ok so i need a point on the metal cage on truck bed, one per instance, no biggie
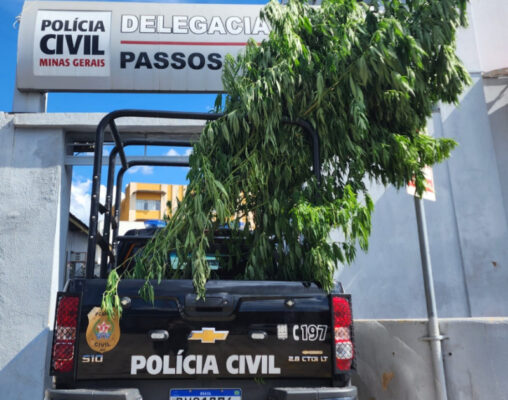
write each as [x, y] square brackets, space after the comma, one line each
[109, 245]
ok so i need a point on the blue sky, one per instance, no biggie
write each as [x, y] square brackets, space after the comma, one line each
[105, 102]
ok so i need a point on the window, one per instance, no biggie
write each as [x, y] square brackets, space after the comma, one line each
[148, 205]
[78, 256]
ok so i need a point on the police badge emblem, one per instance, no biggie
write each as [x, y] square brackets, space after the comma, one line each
[103, 331]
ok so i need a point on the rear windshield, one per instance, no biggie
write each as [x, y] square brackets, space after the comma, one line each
[221, 261]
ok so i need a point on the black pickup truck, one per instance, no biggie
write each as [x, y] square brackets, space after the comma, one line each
[247, 340]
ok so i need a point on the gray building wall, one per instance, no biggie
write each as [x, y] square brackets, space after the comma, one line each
[467, 224]
[34, 205]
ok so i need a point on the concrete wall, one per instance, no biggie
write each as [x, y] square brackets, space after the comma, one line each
[393, 363]
[34, 205]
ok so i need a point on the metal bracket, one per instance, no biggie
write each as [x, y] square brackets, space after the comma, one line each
[433, 338]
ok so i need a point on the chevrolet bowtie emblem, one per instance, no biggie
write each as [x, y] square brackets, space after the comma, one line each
[208, 335]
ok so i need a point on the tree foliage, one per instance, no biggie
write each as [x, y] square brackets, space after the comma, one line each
[367, 76]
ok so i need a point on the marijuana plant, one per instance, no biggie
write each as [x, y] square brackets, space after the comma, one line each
[367, 77]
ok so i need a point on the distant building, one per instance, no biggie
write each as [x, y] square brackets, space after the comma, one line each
[149, 201]
[76, 248]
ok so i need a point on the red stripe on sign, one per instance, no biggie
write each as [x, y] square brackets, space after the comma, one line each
[184, 43]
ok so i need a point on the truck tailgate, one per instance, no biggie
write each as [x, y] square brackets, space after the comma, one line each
[242, 329]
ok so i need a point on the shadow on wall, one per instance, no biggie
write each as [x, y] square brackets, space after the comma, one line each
[496, 93]
[385, 282]
[26, 375]
[477, 183]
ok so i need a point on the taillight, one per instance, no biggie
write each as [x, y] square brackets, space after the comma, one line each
[64, 335]
[342, 321]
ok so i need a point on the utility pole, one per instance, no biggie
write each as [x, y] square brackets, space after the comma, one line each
[434, 336]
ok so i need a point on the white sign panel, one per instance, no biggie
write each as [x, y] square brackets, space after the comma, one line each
[131, 47]
[68, 43]
[430, 190]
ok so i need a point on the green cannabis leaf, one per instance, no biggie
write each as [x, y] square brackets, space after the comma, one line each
[367, 77]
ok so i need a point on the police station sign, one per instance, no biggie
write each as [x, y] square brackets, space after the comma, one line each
[132, 47]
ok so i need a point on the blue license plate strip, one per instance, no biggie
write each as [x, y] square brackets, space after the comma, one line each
[205, 394]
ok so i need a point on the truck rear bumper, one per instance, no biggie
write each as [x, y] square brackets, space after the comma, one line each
[277, 393]
[85, 394]
[320, 393]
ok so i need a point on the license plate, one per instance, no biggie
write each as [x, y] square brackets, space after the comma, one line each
[205, 394]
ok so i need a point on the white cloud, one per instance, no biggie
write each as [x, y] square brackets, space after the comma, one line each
[143, 169]
[172, 152]
[188, 152]
[81, 196]
[80, 199]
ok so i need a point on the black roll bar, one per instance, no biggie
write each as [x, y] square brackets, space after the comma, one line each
[110, 186]
[108, 121]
